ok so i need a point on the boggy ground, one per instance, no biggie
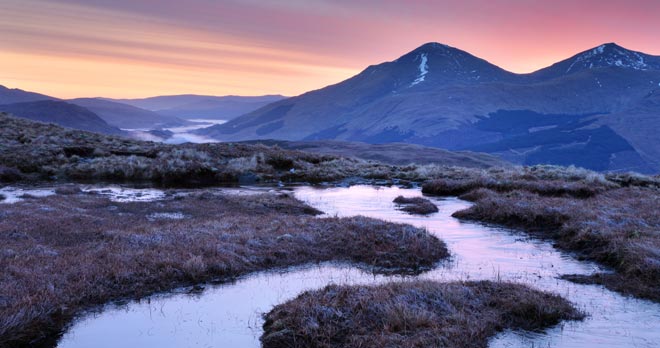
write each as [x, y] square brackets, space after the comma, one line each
[410, 314]
[63, 254]
[612, 221]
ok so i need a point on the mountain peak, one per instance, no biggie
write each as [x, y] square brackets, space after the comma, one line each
[435, 48]
[429, 46]
[433, 64]
[609, 55]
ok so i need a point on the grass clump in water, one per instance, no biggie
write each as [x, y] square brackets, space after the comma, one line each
[416, 205]
[411, 314]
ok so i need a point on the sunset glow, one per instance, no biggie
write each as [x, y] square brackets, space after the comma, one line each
[124, 48]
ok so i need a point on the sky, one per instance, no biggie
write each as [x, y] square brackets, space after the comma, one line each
[140, 48]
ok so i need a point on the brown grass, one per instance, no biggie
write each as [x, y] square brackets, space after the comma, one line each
[411, 314]
[457, 187]
[619, 228]
[36, 151]
[33, 151]
[416, 205]
[62, 254]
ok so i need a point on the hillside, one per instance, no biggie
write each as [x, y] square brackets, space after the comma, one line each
[15, 95]
[60, 113]
[443, 97]
[127, 116]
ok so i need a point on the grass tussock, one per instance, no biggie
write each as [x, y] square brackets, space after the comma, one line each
[411, 314]
[553, 187]
[545, 180]
[416, 205]
[619, 228]
[66, 253]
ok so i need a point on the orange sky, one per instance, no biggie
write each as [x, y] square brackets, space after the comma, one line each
[138, 48]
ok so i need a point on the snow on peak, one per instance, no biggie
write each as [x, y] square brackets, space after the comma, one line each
[423, 69]
[598, 50]
[609, 55]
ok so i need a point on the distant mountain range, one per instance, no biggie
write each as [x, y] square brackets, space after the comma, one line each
[190, 106]
[598, 109]
[107, 116]
[128, 116]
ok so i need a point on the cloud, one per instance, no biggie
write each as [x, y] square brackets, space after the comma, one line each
[288, 46]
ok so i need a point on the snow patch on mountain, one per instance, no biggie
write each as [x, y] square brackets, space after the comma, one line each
[599, 50]
[609, 55]
[423, 69]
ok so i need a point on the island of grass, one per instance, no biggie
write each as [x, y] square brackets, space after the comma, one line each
[415, 205]
[614, 220]
[411, 314]
[64, 254]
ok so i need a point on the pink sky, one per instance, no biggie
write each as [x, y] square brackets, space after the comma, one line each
[133, 48]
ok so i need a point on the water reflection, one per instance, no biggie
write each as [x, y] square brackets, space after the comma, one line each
[229, 315]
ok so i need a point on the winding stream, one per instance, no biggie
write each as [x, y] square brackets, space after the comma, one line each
[229, 315]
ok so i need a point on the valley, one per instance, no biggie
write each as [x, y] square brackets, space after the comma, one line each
[305, 174]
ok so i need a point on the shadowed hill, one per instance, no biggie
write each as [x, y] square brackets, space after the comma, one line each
[61, 113]
[15, 95]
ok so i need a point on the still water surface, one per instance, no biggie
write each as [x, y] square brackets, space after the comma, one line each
[229, 315]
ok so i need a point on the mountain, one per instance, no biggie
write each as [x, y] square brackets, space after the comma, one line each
[15, 95]
[61, 113]
[441, 96]
[114, 114]
[127, 116]
[190, 106]
[603, 56]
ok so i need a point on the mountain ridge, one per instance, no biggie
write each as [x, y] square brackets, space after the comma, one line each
[16, 95]
[61, 113]
[436, 95]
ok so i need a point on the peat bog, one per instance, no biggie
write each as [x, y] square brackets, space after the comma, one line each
[64, 254]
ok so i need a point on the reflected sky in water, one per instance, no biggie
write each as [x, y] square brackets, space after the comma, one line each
[229, 315]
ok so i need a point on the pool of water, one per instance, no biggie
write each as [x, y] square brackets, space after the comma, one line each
[115, 193]
[229, 315]
[16, 194]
